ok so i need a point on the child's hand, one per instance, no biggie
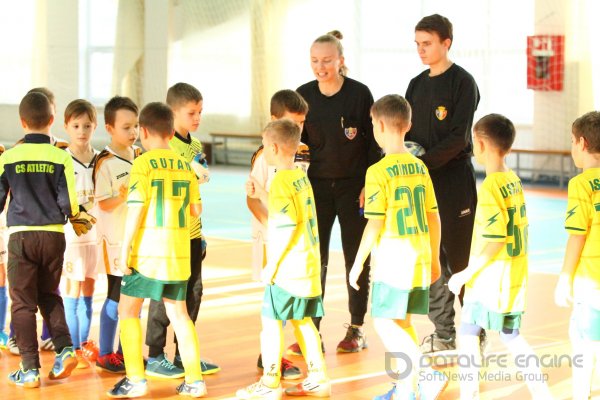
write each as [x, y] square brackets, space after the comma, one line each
[457, 281]
[563, 294]
[122, 266]
[254, 189]
[354, 275]
[266, 275]
[250, 189]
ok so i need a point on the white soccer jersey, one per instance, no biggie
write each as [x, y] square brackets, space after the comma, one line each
[111, 173]
[84, 187]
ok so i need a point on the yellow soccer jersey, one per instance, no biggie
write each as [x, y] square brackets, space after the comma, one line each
[501, 216]
[583, 218]
[398, 190]
[164, 184]
[188, 148]
[292, 206]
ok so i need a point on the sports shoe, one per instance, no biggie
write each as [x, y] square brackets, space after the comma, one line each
[394, 394]
[294, 349]
[161, 367]
[288, 370]
[206, 367]
[3, 340]
[47, 345]
[354, 341]
[196, 389]
[12, 346]
[90, 350]
[431, 384]
[82, 362]
[29, 378]
[258, 391]
[435, 344]
[64, 363]
[110, 362]
[127, 388]
[310, 388]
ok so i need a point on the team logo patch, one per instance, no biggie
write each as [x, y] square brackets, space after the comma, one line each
[441, 113]
[69, 266]
[350, 132]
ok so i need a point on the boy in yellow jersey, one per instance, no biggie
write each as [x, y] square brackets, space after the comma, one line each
[293, 269]
[155, 257]
[579, 281]
[496, 278]
[404, 228]
[186, 102]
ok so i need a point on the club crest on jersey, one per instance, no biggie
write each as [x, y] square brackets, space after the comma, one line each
[350, 132]
[441, 113]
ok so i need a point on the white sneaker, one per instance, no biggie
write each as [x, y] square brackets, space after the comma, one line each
[47, 345]
[259, 391]
[310, 388]
[12, 346]
[431, 384]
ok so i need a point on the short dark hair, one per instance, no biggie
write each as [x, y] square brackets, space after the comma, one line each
[588, 127]
[498, 129]
[285, 133]
[35, 109]
[158, 118]
[181, 93]
[287, 100]
[115, 104]
[46, 92]
[79, 107]
[436, 23]
[394, 110]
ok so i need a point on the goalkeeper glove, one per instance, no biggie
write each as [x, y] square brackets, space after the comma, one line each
[82, 222]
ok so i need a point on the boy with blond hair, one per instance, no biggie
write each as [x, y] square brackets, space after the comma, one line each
[111, 180]
[156, 251]
[496, 278]
[403, 222]
[186, 103]
[284, 104]
[579, 281]
[80, 258]
[293, 269]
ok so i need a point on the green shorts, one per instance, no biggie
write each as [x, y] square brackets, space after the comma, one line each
[393, 303]
[137, 285]
[585, 322]
[281, 305]
[478, 314]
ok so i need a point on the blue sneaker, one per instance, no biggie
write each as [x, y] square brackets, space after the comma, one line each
[29, 378]
[196, 389]
[207, 368]
[432, 387]
[64, 363]
[126, 388]
[394, 394]
[3, 340]
[160, 367]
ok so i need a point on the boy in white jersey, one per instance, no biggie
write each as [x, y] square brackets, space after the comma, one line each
[111, 179]
[293, 270]
[79, 265]
[404, 228]
[284, 104]
[579, 281]
[496, 278]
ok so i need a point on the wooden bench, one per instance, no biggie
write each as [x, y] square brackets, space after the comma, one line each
[566, 170]
[221, 141]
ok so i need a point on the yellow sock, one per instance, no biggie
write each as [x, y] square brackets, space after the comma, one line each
[190, 357]
[131, 340]
[308, 336]
[412, 332]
